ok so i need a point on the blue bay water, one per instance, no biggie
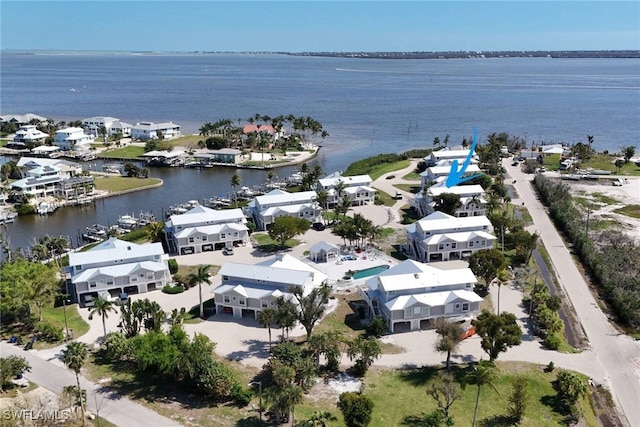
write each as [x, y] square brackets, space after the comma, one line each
[368, 106]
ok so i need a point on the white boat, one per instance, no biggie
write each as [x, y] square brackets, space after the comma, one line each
[127, 222]
[95, 233]
[7, 217]
[45, 208]
[146, 218]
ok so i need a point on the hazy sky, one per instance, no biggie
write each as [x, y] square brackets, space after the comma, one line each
[319, 25]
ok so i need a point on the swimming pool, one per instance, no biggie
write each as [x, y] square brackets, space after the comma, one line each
[372, 271]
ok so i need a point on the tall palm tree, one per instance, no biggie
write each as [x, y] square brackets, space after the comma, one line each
[156, 230]
[501, 279]
[74, 357]
[483, 374]
[292, 395]
[322, 197]
[198, 278]
[102, 307]
[235, 181]
[266, 317]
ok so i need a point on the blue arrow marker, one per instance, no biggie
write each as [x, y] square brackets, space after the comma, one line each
[455, 175]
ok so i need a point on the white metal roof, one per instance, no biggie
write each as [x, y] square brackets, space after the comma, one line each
[114, 249]
[349, 181]
[279, 197]
[211, 229]
[463, 236]
[266, 273]
[432, 299]
[403, 276]
[461, 190]
[201, 215]
[118, 270]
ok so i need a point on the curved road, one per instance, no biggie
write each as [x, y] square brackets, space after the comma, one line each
[617, 354]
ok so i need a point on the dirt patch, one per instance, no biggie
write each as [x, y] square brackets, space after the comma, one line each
[331, 388]
[604, 407]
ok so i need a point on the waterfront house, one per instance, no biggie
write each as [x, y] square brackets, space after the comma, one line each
[471, 197]
[251, 128]
[72, 139]
[150, 130]
[117, 266]
[202, 230]
[224, 155]
[51, 177]
[442, 237]
[357, 188]
[93, 125]
[21, 119]
[120, 128]
[449, 155]
[30, 135]
[440, 173]
[247, 289]
[265, 209]
[412, 295]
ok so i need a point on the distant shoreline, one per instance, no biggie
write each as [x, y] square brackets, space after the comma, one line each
[594, 54]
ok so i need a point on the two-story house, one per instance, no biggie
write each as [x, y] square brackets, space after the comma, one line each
[471, 197]
[439, 173]
[247, 289]
[202, 229]
[150, 130]
[449, 154]
[30, 134]
[411, 295]
[117, 266]
[50, 177]
[357, 188]
[276, 203]
[72, 139]
[442, 237]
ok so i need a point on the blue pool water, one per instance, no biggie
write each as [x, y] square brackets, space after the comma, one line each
[372, 271]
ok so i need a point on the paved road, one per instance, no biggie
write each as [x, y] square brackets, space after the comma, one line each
[617, 354]
[117, 409]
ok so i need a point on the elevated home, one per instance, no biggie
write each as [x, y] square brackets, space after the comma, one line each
[51, 177]
[150, 130]
[94, 125]
[411, 295]
[121, 128]
[30, 134]
[224, 155]
[247, 289]
[436, 174]
[72, 139]
[265, 209]
[117, 266]
[357, 188]
[251, 128]
[442, 237]
[448, 154]
[202, 230]
[471, 197]
[21, 119]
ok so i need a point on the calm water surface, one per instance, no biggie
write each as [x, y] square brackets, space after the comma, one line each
[367, 106]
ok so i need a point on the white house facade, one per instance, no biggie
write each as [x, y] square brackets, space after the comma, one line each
[72, 139]
[442, 237]
[30, 134]
[357, 188]
[203, 230]
[117, 266]
[449, 155]
[471, 197]
[51, 177]
[411, 296]
[265, 209]
[149, 130]
[435, 174]
[248, 289]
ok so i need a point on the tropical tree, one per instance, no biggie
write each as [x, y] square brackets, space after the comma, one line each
[286, 315]
[445, 391]
[450, 338]
[519, 398]
[498, 332]
[502, 278]
[486, 264]
[448, 203]
[356, 409]
[310, 307]
[156, 231]
[11, 367]
[365, 350]
[266, 317]
[74, 357]
[482, 374]
[102, 307]
[628, 152]
[619, 163]
[329, 344]
[570, 387]
[318, 419]
[284, 228]
[322, 197]
[235, 182]
[198, 277]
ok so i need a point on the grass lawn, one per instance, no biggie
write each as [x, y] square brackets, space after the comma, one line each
[267, 244]
[122, 183]
[603, 198]
[385, 198]
[409, 215]
[55, 316]
[526, 216]
[188, 141]
[630, 210]
[381, 169]
[411, 188]
[605, 162]
[412, 176]
[128, 152]
[4, 142]
[551, 162]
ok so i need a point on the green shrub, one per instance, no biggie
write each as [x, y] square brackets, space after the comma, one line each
[173, 266]
[49, 332]
[377, 327]
[552, 341]
[241, 395]
[170, 289]
[25, 209]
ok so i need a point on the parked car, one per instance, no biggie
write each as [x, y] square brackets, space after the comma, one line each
[318, 226]
[349, 258]
[227, 251]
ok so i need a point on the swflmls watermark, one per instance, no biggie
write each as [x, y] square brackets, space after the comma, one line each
[36, 414]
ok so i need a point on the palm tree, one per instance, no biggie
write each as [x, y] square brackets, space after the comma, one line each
[450, 338]
[266, 317]
[198, 278]
[322, 197]
[235, 181]
[102, 307]
[156, 230]
[483, 373]
[291, 396]
[74, 357]
[501, 279]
